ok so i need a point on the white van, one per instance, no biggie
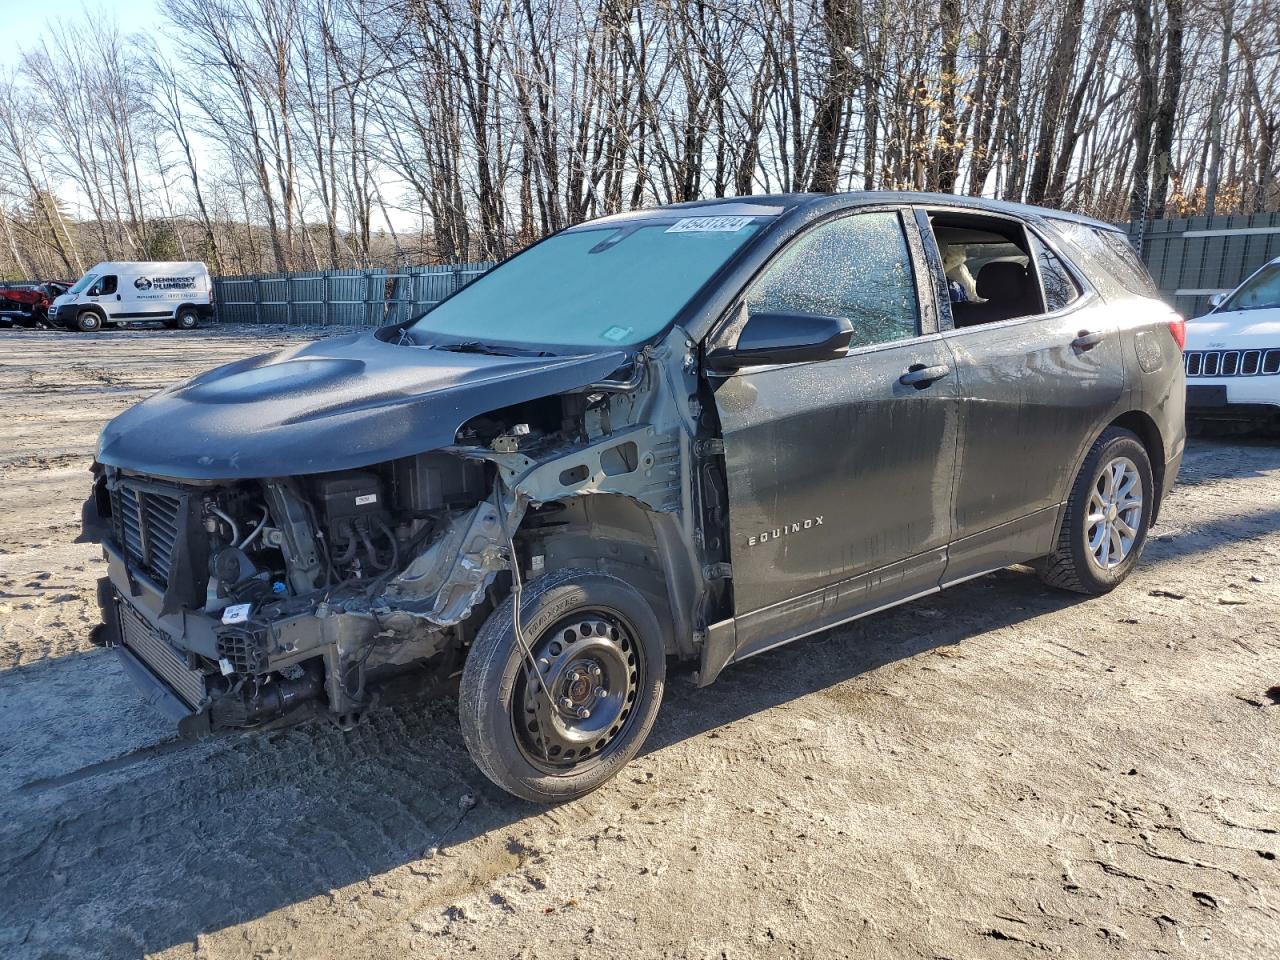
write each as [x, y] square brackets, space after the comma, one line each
[177, 294]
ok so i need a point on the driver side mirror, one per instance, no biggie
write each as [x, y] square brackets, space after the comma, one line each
[768, 338]
[1217, 300]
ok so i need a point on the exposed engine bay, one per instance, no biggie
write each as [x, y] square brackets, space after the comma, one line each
[287, 595]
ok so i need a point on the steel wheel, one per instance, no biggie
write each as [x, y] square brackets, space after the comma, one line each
[596, 644]
[584, 701]
[1114, 514]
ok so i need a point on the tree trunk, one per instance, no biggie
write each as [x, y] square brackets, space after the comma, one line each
[1216, 106]
[1167, 111]
[1055, 94]
[1139, 193]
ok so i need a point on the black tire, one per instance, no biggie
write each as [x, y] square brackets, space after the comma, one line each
[88, 322]
[187, 319]
[497, 689]
[1073, 565]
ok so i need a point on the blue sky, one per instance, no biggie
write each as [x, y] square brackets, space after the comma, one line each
[25, 20]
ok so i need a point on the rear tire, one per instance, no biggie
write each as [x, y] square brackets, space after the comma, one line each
[1104, 526]
[600, 650]
[187, 319]
[88, 322]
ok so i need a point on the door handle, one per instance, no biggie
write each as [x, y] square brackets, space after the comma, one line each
[1087, 340]
[920, 376]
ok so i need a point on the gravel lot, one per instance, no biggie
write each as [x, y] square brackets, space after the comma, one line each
[1001, 771]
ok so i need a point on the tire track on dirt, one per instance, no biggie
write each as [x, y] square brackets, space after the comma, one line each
[996, 771]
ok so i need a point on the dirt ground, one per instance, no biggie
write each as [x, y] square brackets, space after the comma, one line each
[998, 772]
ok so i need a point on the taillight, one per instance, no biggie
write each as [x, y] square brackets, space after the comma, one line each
[1179, 330]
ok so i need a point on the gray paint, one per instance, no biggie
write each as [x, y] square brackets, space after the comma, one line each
[878, 491]
[328, 405]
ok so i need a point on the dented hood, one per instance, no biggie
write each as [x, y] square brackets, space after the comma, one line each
[328, 405]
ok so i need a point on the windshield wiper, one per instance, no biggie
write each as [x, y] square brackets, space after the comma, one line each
[475, 346]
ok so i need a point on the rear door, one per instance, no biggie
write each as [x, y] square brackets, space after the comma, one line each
[1034, 391]
[839, 473]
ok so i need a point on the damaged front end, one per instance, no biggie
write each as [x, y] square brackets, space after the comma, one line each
[239, 602]
[247, 600]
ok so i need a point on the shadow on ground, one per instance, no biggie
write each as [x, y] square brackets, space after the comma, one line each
[146, 851]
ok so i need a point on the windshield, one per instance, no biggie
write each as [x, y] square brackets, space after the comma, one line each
[83, 282]
[593, 287]
[1259, 291]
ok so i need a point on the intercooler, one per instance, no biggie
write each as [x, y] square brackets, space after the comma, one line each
[147, 524]
[150, 646]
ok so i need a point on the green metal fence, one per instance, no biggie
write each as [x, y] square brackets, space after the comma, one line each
[1194, 258]
[354, 298]
[1191, 259]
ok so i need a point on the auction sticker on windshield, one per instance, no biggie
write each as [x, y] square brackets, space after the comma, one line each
[709, 225]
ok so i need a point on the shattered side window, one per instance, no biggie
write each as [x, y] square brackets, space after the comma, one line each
[1129, 267]
[857, 267]
[1109, 251]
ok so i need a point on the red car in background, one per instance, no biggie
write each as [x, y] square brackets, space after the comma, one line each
[27, 304]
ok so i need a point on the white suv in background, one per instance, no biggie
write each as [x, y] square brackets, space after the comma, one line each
[1233, 356]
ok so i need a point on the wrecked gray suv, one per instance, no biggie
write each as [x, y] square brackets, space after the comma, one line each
[694, 432]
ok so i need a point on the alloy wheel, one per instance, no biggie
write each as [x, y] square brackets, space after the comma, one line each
[1114, 515]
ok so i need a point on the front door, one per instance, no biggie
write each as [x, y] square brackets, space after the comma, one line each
[105, 294]
[839, 472]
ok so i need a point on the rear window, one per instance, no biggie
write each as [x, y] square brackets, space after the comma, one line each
[1060, 288]
[1109, 250]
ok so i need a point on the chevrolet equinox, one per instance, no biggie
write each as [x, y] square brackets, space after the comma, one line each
[693, 432]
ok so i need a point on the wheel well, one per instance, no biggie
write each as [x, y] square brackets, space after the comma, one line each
[1140, 423]
[614, 534]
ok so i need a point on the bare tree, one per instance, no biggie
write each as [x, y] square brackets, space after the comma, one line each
[292, 134]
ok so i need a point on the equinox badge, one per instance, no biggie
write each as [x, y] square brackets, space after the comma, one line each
[784, 531]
